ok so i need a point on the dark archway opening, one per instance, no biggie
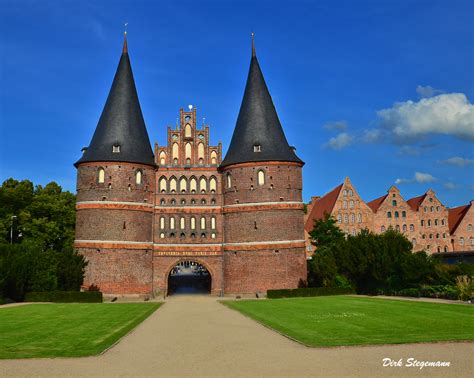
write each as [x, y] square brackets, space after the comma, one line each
[189, 277]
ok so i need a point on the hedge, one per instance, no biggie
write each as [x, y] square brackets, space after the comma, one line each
[65, 296]
[308, 292]
[435, 291]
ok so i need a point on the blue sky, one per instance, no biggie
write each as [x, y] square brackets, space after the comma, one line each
[380, 91]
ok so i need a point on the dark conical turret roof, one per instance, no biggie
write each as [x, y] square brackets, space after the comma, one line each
[121, 123]
[258, 125]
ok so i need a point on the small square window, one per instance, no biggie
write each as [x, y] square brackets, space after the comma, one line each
[257, 148]
[116, 149]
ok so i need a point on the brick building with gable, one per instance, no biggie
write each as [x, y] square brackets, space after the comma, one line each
[345, 205]
[461, 221]
[424, 220]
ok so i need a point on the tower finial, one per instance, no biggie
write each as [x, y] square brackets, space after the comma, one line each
[125, 47]
[253, 45]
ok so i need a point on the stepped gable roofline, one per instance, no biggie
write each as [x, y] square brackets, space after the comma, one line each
[258, 135]
[121, 134]
[323, 205]
[455, 217]
[416, 201]
[376, 203]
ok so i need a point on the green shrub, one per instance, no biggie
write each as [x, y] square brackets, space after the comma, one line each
[342, 282]
[308, 292]
[65, 296]
[435, 291]
[412, 292]
[465, 286]
[27, 267]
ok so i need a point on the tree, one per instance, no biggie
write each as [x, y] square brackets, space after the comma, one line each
[326, 232]
[41, 257]
[44, 215]
[372, 263]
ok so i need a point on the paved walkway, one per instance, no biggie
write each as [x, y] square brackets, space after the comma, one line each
[196, 336]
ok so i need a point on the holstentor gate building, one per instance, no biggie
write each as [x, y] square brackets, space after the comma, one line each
[140, 212]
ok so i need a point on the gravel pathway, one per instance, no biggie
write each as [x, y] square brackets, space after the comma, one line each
[197, 336]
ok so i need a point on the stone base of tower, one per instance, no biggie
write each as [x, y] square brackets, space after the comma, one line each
[118, 272]
[258, 271]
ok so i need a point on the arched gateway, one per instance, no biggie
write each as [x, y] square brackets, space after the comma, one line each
[189, 277]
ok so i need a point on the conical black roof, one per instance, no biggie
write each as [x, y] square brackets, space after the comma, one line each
[121, 123]
[258, 126]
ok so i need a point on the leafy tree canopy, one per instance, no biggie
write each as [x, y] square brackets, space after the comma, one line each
[326, 232]
[36, 239]
[370, 262]
[45, 215]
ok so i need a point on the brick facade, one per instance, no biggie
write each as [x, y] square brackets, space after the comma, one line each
[345, 205]
[461, 227]
[424, 220]
[248, 235]
[393, 211]
[433, 223]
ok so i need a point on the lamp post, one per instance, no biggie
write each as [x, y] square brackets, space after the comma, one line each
[11, 229]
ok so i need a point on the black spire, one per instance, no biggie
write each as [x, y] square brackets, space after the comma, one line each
[258, 135]
[121, 133]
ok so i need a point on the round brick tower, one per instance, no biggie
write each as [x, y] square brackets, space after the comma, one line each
[263, 209]
[115, 194]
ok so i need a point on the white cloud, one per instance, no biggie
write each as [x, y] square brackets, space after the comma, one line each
[449, 114]
[427, 91]
[424, 177]
[409, 151]
[372, 135]
[340, 141]
[399, 181]
[336, 125]
[459, 161]
[419, 177]
[450, 185]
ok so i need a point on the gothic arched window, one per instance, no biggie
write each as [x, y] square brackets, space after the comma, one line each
[188, 152]
[173, 185]
[183, 185]
[175, 152]
[213, 184]
[138, 177]
[162, 185]
[162, 157]
[213, 157]
[100, 175]
[187, 130]
[203, 184]
[201, 151]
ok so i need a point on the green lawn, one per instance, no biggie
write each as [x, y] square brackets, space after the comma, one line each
[346, 320]
[67, 330]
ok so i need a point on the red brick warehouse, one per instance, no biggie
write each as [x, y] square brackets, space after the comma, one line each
[141, 212]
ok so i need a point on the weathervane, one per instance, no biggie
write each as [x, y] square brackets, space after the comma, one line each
[253, 44]
[125, 27]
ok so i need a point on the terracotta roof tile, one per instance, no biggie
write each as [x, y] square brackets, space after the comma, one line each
[375, 204]
[416, 201]
[323, 205]
[455, 216]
